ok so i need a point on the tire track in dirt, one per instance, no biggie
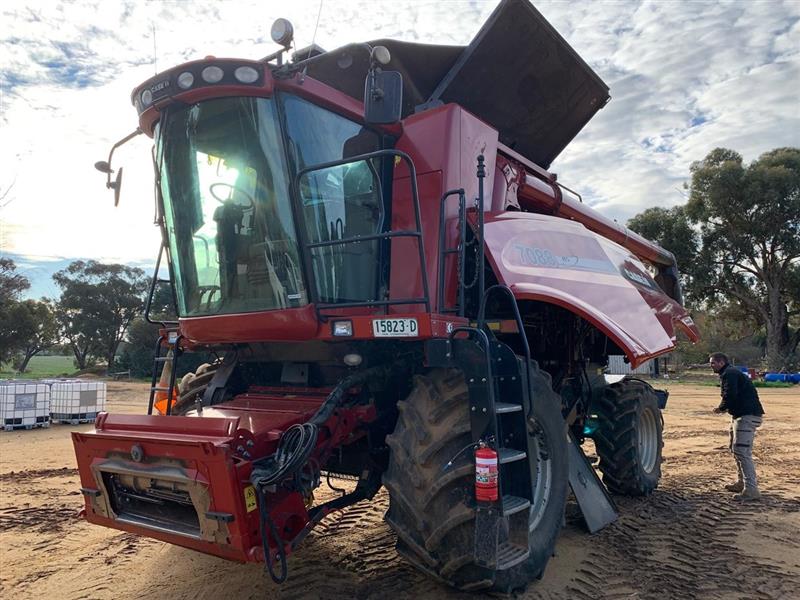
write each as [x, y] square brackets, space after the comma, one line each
[352, 554]
[25, 476]
[42, 519]
[685, 543]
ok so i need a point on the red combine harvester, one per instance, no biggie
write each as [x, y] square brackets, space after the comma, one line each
[399, 292]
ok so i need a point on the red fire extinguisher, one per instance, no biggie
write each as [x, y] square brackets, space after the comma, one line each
[485, 474]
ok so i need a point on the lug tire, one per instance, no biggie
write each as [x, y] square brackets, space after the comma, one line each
[430, 506]
[629, 438]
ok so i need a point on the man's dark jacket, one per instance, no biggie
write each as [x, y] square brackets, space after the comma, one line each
[739, 395]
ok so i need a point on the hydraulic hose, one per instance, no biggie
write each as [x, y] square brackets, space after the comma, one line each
[294, 449]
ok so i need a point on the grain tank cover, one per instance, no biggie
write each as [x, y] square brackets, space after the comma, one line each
[518, 74]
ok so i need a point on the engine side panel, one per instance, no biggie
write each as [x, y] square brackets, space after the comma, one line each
[555, 260]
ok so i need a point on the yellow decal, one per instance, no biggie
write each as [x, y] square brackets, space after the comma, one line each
[250, 498]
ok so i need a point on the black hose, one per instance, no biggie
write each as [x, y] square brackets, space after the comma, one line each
[294, 448]
[267, 523]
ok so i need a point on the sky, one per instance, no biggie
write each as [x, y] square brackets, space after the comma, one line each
[685, 77]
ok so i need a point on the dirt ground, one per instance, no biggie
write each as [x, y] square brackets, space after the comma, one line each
[687, 540]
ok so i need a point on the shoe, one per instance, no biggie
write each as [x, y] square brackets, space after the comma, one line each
[748, 494]
[735, 487]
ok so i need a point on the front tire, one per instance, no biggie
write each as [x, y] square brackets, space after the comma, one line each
[629, 438]
[431, 507]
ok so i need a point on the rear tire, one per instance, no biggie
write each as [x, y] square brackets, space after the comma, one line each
[431, 508]
[629, 439]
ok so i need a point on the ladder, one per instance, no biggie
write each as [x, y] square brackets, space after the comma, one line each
[173, 352]
[500, 404]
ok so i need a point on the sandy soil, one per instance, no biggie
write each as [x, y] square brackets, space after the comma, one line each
[687, 540]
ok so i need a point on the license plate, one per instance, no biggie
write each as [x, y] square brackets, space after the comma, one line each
[395, 328]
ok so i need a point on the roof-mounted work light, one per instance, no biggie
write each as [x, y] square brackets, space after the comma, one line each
[282, 32]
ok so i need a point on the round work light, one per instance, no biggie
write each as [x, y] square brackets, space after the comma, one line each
[185, 80]
[212, 74]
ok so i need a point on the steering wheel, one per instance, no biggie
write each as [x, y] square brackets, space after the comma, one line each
[251, 203]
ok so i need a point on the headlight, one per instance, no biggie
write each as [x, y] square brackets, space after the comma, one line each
[246, 74]
[212, 74]
[147, 98]
[185, 80]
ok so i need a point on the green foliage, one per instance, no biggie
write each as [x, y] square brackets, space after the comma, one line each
[38, 331]
[15, 323]
[724, 330]
[42, 366]
[773, 384]
[670, 228]
[98, 301]
[12, 284]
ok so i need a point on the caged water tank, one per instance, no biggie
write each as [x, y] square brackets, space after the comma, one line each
[75, 401]
[24, 404]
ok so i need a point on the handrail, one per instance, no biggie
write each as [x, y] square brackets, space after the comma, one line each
[386, 235]
[487, 352]
[152, 292]
[444, 251]
[517, 317]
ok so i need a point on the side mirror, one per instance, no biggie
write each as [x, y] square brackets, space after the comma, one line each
[383, 90]
[116, 186]
[104, 166]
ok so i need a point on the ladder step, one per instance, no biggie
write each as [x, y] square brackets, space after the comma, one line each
[164, 359]
[510, 555]
[514, 504]
[159, 389]
[502, 408]
[507, 455]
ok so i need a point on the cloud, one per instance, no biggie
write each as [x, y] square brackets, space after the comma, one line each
[685, 78]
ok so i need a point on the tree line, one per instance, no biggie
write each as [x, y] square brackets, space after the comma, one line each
[737, 243]
[736, 240]
[98, 303]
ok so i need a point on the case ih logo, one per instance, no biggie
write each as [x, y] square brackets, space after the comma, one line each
[157, 87]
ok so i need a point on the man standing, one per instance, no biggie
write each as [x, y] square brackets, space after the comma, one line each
[740, 400]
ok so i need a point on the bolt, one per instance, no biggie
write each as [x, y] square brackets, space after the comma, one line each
[250, 443]
[472, 380]
[473, 409]
[484, 410]
[513, 379]
[483, 380]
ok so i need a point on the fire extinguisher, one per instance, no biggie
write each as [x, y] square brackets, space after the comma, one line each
[486, 479]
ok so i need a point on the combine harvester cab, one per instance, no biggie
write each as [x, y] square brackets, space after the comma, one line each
[398, 292]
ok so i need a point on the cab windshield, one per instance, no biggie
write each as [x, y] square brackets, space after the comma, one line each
[225, 185]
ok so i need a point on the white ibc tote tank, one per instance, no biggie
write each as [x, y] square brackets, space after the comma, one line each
[75, 401]
[24, 404]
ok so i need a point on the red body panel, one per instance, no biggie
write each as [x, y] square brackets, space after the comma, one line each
[550, 259]
[209, 453]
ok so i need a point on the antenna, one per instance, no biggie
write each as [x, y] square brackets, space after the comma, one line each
[155, 53]
[314, 37]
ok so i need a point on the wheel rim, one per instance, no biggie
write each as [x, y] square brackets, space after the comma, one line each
[648, 440]
[543, 480]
